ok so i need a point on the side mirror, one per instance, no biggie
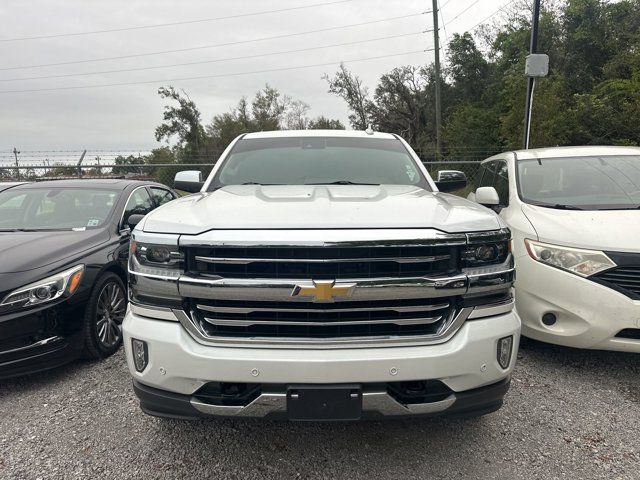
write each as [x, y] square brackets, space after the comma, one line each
[450, 180]
[487, 196]
[134, 220]
[188, 181]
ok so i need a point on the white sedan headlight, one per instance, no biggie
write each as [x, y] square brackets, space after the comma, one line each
[575, 260]
[46, 290]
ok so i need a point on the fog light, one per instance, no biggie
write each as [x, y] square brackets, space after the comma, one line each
[140, 354]
[505, 345]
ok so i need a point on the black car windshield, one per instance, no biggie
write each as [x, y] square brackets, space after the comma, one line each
[581, 183]
[319, 161]
[55, 208]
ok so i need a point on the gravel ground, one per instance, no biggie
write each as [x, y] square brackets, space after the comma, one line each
[569, 413]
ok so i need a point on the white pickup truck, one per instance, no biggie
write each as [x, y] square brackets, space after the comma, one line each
[320, 275]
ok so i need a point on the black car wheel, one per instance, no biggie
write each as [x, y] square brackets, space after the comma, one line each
[103, 317]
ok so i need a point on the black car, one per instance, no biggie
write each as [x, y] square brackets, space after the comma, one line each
[63, 261]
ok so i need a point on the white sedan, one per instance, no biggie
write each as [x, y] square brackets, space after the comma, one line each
[574, 213]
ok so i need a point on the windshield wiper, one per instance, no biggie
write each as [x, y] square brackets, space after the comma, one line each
[630, 207]
[558, 206]
[32, 229]
[341, 182]
[264, 184]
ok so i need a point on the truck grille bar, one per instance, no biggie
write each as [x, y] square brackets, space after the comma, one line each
[322, 262]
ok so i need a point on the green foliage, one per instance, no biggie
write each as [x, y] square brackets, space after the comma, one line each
[181, 122]
[124, 165]
[350, 88]
[324, 123]
[591, 95]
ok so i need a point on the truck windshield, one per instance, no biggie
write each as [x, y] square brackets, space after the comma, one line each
[581, 183]
[54, 208]
[319, 161]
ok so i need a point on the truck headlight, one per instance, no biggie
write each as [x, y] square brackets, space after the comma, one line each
[46, 290]
[155, 255]
[575, 260]
[486, 248]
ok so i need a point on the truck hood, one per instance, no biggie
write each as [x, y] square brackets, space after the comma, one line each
[611, 230]
[320, 207]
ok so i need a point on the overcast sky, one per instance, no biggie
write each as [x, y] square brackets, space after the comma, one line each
[124, 117]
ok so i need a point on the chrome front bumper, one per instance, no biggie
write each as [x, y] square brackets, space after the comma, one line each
[268, 404]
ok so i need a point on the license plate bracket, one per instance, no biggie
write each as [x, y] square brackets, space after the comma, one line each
[324, 402]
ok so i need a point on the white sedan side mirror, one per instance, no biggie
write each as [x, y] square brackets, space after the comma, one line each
[487, 196]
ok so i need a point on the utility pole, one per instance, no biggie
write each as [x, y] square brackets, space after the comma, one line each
[436, 49]
[531, 80]
[15, 154]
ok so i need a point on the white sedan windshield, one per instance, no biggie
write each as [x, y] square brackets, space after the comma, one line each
[584, 183]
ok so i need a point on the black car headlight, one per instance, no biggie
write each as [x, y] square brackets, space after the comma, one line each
[486, 248]
[154, 255]
[46, 290]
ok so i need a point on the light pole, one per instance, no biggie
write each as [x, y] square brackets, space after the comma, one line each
[537, 66]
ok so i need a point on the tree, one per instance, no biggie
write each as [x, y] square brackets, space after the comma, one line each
[352, 91]
[468, 69]
[268, 109]
[324, 123]
[128, 164]
[181, 122]
[296, 115]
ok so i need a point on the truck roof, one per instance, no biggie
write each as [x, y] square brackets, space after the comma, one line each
[318, 133]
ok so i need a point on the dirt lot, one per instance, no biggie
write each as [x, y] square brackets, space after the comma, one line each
[573, 414]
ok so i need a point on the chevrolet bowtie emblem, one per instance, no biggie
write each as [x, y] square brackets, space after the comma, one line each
[324, 290]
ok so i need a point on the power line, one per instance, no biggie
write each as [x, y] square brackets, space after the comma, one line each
[211, 76]
[203, 47]
[389, 37]
[444, 28]
[463, 11]
[493, 14]
[170, 24]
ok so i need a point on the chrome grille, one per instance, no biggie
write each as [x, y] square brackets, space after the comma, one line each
[320, 263]
[625, 279]
[321, 320]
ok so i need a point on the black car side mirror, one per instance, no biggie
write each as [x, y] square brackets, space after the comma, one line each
[134, 220]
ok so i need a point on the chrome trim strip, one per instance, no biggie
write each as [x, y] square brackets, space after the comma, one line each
[265, 404]
[224, 322]
[159, 313]
[37, 344]
[447, 330]
[492, 310]
[246, 310]
[330, 237]
[218, 288]
[268, 403]
[245, 261]
[385, 404]
[157, 277]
